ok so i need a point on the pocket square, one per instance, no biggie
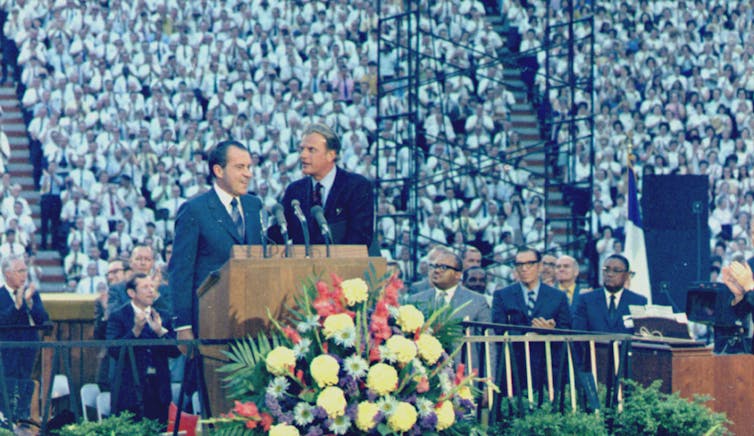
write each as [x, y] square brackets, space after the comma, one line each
[338, 211]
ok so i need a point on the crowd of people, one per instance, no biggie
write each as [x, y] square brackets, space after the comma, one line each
[123, 101]
[675, 80]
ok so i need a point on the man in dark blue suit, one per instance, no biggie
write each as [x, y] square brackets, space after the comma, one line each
[347, 198]
[531, 303]
[207, 226]
[139, 320]
[20, 305]
[602, 309]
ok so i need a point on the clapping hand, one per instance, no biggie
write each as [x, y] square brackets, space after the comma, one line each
[140, 319]
[543, 323]
[738, 278]
[155, 323]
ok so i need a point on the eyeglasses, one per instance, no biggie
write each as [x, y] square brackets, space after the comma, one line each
[113, 271]
[442, 267]
[550, 264]
[608, 270]
[526, 264]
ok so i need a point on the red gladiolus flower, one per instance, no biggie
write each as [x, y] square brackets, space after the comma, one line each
[266, 421]
[300, 376]
[247, 410]
[336, 279]
[251, 424]
[374, 353]
[423, 385]
[390, 294]
[292, 334]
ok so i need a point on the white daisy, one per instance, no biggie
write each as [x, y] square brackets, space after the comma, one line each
[356, 366]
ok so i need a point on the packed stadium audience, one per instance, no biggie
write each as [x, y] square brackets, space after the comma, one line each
[674, 79]
[123, 99]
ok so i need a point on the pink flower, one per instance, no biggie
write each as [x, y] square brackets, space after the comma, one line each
[247, 410]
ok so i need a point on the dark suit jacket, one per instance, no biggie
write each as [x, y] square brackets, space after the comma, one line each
[204, 235]
[509, 307]
[119, 326]
[590, 311]
[117, 297]
[349, 210]
[17, 362]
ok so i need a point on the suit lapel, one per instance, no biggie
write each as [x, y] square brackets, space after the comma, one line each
[250, 219]
[220, 215]
[332, 197]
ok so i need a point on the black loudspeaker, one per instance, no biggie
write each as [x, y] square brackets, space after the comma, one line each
[675, 212]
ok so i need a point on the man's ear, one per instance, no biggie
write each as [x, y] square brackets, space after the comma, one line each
[131, 293]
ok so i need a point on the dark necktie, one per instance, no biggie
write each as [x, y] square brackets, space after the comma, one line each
[317, 197]
[530, 302]
[235, 214]
[611, 311]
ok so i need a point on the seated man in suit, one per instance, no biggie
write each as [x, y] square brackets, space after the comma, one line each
[602, 309]
[139, 320]
[20, 305]
[347, 198]
[445, 277]
[567, 273]
[534, 304]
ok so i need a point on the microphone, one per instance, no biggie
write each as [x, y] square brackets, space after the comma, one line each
[264, 226]
[296, 205]
[277, 212]
[319, 216]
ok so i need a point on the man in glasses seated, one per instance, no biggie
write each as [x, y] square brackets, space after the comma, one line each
[602, 310]
[531, 303]
[445, 273]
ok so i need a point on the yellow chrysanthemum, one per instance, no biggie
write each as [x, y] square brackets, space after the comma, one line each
[446, 416]
[333, 400]
[324, 369]
[280, 360]
[382, 379]
[284, 430]
[409, 318]
[403, 349]
[403, 418]
[355, 291]
[430, 349]
[365, 414]
[465, 393]
[336, 323]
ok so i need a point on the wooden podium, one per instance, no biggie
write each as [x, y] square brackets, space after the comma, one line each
[233, 303]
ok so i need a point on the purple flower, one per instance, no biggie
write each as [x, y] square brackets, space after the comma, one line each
[320, 412]
[429, 421]
[351, 411]
[314, 431]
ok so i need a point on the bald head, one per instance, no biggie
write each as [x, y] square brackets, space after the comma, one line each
[566, 271]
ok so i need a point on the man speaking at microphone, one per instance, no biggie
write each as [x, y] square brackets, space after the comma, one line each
[207, 226]
[346, 198]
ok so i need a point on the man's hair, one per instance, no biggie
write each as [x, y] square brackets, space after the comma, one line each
[131, 283]
[219, 154]
[140, 246]
[473, 269]
[332, 142]
[470, 249]
[455, 256]
[8, 261]
[525, 249]
[621, 258]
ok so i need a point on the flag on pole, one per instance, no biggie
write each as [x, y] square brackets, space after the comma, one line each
[635, 248]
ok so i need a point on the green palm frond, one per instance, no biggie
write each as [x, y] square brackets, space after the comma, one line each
[245, 371]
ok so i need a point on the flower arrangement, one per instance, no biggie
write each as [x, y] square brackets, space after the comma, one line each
[350, 361]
